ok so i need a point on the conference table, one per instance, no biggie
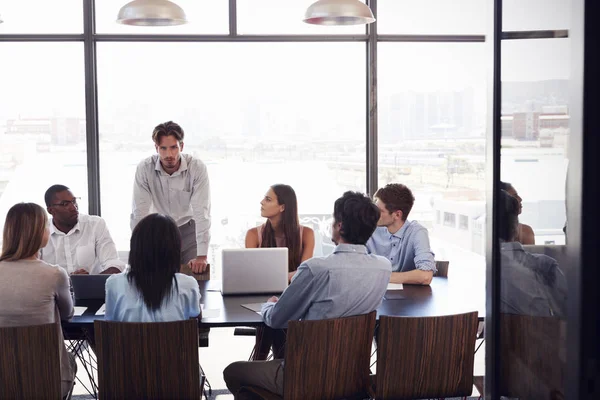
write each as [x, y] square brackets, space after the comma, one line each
[462, 291]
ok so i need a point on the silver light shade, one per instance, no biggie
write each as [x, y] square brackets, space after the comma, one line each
[339, 12]
[1, 19]
[151, 13]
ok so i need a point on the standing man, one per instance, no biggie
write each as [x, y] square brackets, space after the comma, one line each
[176, 185]
[346, 283]
[79, 243]
[405, 243]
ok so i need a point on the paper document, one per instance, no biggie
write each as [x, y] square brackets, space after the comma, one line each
[256, 307]
[394, 286]
[102, 310]
[79, 311]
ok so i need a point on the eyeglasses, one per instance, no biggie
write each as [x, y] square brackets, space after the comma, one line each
[65, 203]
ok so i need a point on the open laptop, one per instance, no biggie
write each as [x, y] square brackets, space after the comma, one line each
[249, 271]
[89, 287]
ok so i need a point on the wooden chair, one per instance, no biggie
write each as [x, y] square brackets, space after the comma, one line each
[157, 360]
[327, 359]
[426, 357]
[533, 356]
[30, 362]
[442, 268]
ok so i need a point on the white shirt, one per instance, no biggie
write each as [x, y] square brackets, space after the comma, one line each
[88, 245]
[124, 301]
[183, 196]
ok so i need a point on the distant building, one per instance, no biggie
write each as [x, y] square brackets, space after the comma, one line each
[46, 131]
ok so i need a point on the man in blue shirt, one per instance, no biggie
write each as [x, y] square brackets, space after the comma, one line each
[320, 288]
[405, 243]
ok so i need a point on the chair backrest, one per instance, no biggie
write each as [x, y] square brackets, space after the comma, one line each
[328, 359]
[30, 362]
[154, 360]
[442, 268]
[533, 356]
[426, 357]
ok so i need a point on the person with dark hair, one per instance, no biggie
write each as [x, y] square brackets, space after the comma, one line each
[348, 282]
[33, 292]
[282, 229]
[175, 184]
[79, 243]
[532, 284]
[405, 243]
[525, 233]
[152, 290]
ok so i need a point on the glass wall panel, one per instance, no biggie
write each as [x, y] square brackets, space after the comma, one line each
[533, 258]
[256, 113]
[529, 15]
[42, 122]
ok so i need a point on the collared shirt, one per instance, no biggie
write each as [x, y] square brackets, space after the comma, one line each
[348, 282]
[124, 301]
[531, 284]
[183, 196]
[407, 249]
[88, 245]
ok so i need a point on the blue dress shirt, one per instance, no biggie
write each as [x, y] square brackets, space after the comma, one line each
[531, 284]
[124, 302]
[407, 249]
[346, 283]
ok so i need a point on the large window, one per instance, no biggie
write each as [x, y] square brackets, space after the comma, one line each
[41, 17]
[204, 17]
[432, 113]
[290, 104]
[42, 122]
[257, 114]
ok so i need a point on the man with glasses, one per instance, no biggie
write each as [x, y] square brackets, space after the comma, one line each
[79, 243]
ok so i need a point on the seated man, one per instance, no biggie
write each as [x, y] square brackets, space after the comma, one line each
[404, 243]
[531, 284]
[320, 288]
[81, 244]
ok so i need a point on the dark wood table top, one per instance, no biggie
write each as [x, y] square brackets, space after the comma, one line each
[463, 291]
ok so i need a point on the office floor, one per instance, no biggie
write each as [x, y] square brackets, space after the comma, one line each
[226, 348]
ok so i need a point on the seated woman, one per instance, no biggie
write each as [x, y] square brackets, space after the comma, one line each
[525, 233]
[152, 290]
[33, 292]
[282, 229]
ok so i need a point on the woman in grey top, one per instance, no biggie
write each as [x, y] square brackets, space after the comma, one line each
[31, 291]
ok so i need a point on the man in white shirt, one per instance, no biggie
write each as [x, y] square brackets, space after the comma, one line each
[176, 185]
[79, 243]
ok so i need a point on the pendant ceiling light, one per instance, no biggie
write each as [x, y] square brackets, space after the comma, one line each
[339, 12]
[151, 13]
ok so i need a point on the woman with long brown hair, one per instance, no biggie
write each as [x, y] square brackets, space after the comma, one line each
[33, 292]
[282, 229]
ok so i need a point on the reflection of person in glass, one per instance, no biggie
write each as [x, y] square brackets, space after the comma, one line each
[175, 184]
[525, 233]
[532, 284]
[282, 229]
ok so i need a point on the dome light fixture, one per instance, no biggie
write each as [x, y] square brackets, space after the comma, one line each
[339, 12]
[151, 13]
